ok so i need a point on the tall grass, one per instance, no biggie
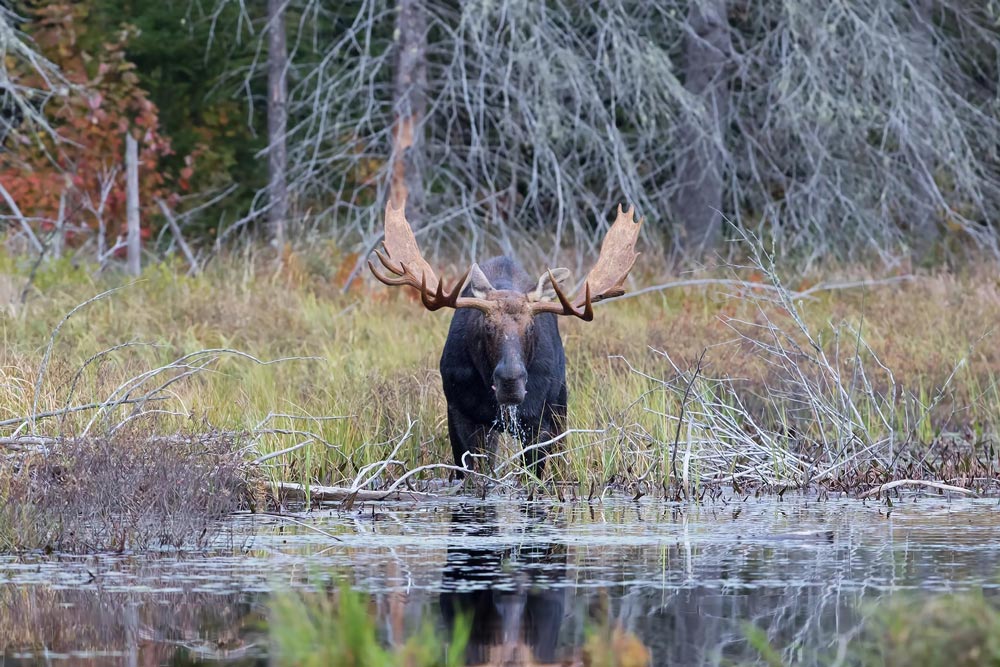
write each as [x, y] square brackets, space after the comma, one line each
[337, 630]
[827, 409]
[757, 382]
[316, 629]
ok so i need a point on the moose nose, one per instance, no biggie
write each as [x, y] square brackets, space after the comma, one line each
[510, 383]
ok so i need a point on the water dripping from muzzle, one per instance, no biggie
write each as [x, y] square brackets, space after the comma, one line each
[509, 421]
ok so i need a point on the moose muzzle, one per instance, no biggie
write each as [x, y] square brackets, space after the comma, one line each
[510, 382]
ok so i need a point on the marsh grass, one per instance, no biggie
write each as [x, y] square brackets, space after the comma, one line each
[338, 630]
[960, 629]
[671, 392]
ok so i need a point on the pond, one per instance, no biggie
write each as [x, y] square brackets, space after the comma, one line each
[683, 578]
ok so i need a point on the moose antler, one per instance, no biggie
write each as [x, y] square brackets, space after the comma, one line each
[607, 278]
[403, 260]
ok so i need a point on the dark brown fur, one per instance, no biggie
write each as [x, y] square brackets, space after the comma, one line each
[507, 356]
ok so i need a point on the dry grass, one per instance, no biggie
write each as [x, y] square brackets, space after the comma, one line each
[919, 360]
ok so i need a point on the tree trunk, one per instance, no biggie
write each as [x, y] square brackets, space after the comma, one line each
[410, 104]
[925, 233]
[59, 233]
[133, 239]
[277, 122]
[701, 171]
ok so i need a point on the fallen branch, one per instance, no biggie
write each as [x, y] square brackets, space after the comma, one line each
[746, 284]
[20, 442]
[340, 493]
[43, 443]
[75, 408]
[176, 230]
[918, 482]
[303, 524]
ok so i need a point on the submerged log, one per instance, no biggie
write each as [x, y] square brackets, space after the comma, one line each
[296, 491]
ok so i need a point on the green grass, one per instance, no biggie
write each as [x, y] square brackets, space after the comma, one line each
[959, 630]
[371, 357]
[337, 629]
[320, 630]
[308, 629]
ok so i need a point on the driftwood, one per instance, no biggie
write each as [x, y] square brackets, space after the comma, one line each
[296, 491]
[941, 486]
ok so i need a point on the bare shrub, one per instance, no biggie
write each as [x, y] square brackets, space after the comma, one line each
[22, 99]
[129, 490]
[827, 411]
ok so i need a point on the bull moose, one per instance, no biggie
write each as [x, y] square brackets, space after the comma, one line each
[503, 354]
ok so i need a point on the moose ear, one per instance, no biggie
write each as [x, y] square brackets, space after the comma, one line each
[544, 291]
[479, 283]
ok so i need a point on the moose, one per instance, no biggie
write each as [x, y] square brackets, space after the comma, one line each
[503, 355]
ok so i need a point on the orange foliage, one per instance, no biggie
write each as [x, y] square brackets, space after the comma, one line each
[86, 163]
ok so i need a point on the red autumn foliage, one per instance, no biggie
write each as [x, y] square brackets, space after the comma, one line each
[85, 165]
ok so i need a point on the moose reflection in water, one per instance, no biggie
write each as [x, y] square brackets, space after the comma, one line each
[542, 584]
[504, 592]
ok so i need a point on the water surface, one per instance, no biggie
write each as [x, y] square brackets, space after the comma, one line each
[534, 576]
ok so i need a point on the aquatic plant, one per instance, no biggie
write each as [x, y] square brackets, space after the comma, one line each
[336, 629]
[613, 646]
[961, 629]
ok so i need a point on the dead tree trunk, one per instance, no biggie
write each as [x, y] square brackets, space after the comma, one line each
[133, 238]
[925, 232]
[410, 104]
[59, 233]
[277, 122]
[701, 171]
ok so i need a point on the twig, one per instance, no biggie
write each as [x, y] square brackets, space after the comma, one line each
[746, 284]
[52, 341]
[282, 452]
[25, 227]
[510, 460]
[76, 408]
[442, 466]
[382, 465]
[93, 358]
[680, 417]
[303, 524]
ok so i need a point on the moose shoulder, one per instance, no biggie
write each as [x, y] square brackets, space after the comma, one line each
[503, 353]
